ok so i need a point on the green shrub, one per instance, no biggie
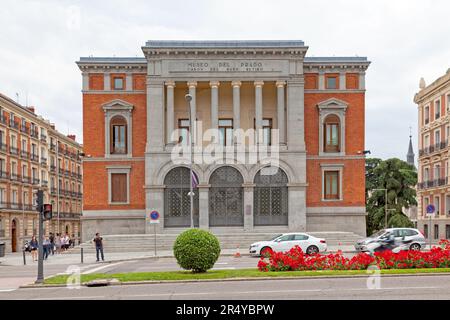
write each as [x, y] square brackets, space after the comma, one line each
[196, 250]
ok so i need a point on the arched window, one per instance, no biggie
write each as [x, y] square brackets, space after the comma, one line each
[118, 135]
[226, 198]
[332, 134]
[177, 201]
[271, 199]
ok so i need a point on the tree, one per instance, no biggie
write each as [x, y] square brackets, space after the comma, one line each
[399, 178]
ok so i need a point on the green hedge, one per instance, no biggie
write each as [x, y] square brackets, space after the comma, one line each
[196, 250]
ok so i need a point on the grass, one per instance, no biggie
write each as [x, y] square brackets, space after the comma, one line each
[230, 274]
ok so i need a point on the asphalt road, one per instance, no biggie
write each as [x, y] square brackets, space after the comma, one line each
[398, 287]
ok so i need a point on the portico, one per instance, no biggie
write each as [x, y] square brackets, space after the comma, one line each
[256, 85]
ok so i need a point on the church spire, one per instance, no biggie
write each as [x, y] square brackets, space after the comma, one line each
[410, 154]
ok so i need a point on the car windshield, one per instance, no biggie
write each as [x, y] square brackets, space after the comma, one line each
[273, 238]
[378, 234]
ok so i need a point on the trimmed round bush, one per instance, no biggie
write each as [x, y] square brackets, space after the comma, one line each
[196, 250]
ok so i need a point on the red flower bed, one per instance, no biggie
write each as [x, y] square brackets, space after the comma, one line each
[296, 260]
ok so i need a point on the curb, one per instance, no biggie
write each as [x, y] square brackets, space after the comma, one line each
[132, 283]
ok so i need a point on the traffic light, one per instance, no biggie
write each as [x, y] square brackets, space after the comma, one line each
[39, 200]
[47, 212]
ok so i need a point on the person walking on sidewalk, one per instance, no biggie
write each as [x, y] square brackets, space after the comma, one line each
[52, 243]
[98, 246]
[46, 247]
[34, 245]
[58, 243]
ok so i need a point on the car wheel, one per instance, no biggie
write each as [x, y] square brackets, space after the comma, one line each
[312, 250]
[415, 247]
[266, 251]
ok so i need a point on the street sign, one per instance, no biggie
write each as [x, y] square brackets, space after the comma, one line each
[431, 209]
[154, 217]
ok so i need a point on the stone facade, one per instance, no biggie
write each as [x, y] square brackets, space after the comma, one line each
[433, 104]
[247, 83]
[33, 156]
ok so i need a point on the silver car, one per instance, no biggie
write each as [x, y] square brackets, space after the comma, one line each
[413, 237]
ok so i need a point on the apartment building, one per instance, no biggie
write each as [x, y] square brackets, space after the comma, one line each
[33, 156]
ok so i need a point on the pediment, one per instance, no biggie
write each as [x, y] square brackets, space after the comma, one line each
[117, 105]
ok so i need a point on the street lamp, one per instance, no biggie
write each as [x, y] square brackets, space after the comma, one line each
[188, 99]
[385, 205]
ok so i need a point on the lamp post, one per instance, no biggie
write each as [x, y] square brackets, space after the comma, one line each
[188, 99]
[385, 205]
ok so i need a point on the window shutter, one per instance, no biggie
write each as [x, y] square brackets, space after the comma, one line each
[119, 187]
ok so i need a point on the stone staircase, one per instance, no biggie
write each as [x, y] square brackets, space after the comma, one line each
[228, 240]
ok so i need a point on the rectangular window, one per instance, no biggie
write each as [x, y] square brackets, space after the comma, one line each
[427, 115]
[225, 132]
[437, 109]
[437, 204]
[266, 127]
[425, 230]
[119, 138]
[183, 130]
[437, 137]
[331, 82]
[436, 231]
[331, 185]
[119, 187]
[118, 83]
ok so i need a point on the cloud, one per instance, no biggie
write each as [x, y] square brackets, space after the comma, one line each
[405, 40]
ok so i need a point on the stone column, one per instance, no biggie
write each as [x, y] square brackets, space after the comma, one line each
[362, 80]
[192, 90]
[342, 82]
[296, 114]
[85, 81]
[258, 108]
[154, 200]
[155, 115]
[129, 82]
[214, 104]
[106, 82]
[297, 207]
[203, 206]
[170, 115]
[280, 111]
[321, 80]
[248, 206]
[236, 106]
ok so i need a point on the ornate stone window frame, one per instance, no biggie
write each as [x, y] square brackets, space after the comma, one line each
[332, 167]
[118, 169]
[336, 107]
[122, 108]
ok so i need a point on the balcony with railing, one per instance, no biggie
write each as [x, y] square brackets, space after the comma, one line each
[16, 177]
[44, 183]
[4, 174]
[433, 148]
[3, 120]
[24, 129]
[34, 157]
[3, 147]
[432, 183]
[53, 191]
[13, 150]
[43, 138]
[14, 124]
[52, 168]
[16, 206]
[53, 147]
[26, 179]
[36, 181]
[43, 161]
[34, 134]
[24, 154]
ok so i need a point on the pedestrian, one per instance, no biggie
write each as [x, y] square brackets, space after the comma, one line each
[66, 241]
[34, 245]
[58, 243]
[46, 247]
[98, 246]
[72, 241]
[63, 243]
[52, 243]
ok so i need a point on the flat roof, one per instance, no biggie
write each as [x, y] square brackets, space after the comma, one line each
[112, 60]
[335, 59]
[224, 44]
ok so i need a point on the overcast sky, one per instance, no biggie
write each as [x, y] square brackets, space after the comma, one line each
[404, 40]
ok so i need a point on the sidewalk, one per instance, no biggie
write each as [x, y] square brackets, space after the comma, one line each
[74, 257]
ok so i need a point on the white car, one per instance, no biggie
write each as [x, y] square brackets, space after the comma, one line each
[285, 242]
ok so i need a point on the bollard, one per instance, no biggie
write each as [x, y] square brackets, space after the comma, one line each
[24, 258]
[82, 258]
